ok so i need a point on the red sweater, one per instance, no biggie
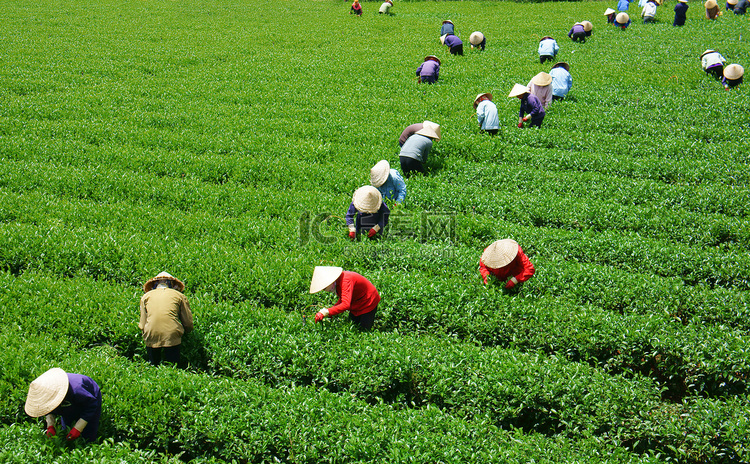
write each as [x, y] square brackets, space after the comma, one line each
[356, 294]
[520, 268]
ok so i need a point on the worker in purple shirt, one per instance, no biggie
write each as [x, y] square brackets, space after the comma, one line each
[429, 70]
[74, 397]
[680, 13]
[577, 33]
[367, 213]
[532, 110]
[454, 44]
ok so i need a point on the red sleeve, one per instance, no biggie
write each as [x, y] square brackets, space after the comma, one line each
[483, 271]
[527, 268]
[345, 287]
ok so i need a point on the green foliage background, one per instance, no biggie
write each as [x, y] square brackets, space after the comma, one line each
[221, 141]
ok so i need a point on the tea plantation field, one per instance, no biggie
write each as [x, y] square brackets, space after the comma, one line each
[221, 141]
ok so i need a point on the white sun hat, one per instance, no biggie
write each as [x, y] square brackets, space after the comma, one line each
[500, 253]
[379, 173]
[517, 90]
[622, 18]
[46, 392]
[367, 199]
[430, 129]
[542, 79]
[323, 276]
[734, 71]
[476, 38]
[587, 26]
[177, 283]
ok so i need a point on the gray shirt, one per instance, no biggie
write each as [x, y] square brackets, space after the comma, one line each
[417, 147]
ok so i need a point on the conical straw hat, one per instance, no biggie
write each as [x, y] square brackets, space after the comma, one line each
[710, 4]
[563, 65]
[517, 90]
[379, 173]
[323, 276]
[707, 51]
[430, 129]
[622, 18]
[733, 72]
[442, 38]
[149, 285]
[587, 26]
[476, 100]
[500, 253]
[367, 199]
[46, 392]
[476, 38]
[432, 57]
[542, 79]
[608, 11]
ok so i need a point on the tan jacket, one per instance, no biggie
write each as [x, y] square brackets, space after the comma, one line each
[165, 317]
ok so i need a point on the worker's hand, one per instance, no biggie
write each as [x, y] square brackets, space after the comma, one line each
[51, 431]
[525, 118]
[520, 124]
[352, 235]
[371, 233]
[73, 434]
[511, 283]
[319, 316]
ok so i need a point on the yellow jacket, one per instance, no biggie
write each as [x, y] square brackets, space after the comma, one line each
[165, 317]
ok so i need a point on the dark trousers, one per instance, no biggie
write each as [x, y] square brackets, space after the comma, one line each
[543, 58]
[171, 355]
[458, 50]
[431, 79]
[364, 321]
[717, 71]
[537, 122]
[409, 165]
[579, 37]
[490, 131]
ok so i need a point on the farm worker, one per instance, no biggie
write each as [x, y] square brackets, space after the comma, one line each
[531, 108]
[503, 259]
[412, 129]
[385, 8]
[623, 5]
[680, 13]
[356, 8]
[622, 20]
[454, 44]
[355, 294]
[561, 80]
[732, 76]
[548, 49]
[587, 27]
[649, 12]
[486, 113]
[447, 28]
[540, 86]
[477, 40]
[74, 397]
[712, 9]
[429, 70]
[577, 33]
[388, 181]
[741, 7]
[610, 14]
[730, 4]
[416, 149]
[713, 63]
[367, 213]
[165, 317]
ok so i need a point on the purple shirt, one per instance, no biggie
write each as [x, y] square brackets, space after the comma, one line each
[366, 221]
[453, 41]
[532, 106]
[429, 68]
[409, 131]
[577, 29]
[83, 401]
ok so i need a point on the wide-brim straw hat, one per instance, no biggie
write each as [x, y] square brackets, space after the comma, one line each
[367, 199]
[710, 4]
[587, 26]
[517, 90]
[46, 392]
[433, 58]
[682, 1]
[476, 100]
[563, 65]
[733, 72]
[430, 129]
[609, 11]
[323, 276]
[732, 2]
[447, 21]
[709, 50]
[622, 18]
[542, 79]
[500, 253]
[442, 38]
[476, 38]
[545, 37]
[379, 173]
[151, 283]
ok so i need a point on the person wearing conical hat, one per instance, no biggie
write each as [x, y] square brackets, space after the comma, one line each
[385, 8]
[477, 40]
[610, 14]
[623, 5]
[541, 87]
[548, 49]
[532, 110]
[388, 181]
[740, 6]
[680, 13]
[713, 63]
[732, 76]
[417, 148]
[412, 129]
[577, 33]
[165, 318]
[355, 294]
[447, 27]
[562, 81]
[487, 117]
[454, 44]
[649, 12]
[730, 4]
[587, 27]
[622, 20]
[356, 8]
[712, 9]
[367, 213]
[76, 398]
[506, 261]
[429, 70]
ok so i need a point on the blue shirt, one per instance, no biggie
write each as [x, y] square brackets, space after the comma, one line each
[532, 106]
[561, 81]
[623, 5]
[394, 187]
[429, 68]
[83, 401]
[446, 28]
[548, 47]
[417, 147]
[487, 115]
